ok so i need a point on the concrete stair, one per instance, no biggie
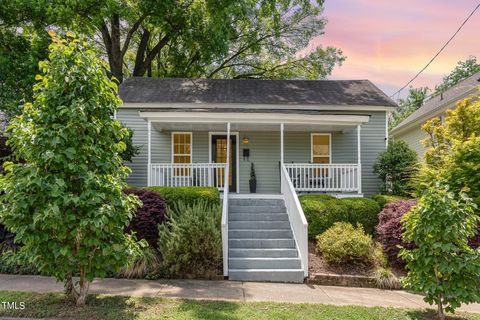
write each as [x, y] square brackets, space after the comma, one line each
[261, 243]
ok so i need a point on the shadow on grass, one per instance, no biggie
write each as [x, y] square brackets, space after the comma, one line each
[430, 314]
[209, 310]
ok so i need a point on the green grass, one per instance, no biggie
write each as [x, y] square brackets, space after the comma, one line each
[119, 308]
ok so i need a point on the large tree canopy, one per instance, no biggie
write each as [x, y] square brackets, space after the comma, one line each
[193, 38]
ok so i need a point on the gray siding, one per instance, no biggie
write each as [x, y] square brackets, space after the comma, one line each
[413, 138]
[264, 151]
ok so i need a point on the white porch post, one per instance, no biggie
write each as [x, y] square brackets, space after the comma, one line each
[359, 160]
[281, 143]
[149, 157]
[227, 170]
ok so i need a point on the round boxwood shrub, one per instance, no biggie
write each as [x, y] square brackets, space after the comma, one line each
[389, 229]
[147, 217]
[343, 243]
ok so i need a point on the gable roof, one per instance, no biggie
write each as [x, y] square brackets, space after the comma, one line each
[252, 91]
[437, 103]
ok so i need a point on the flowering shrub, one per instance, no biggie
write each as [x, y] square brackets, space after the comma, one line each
[147, 217]
[389, 228]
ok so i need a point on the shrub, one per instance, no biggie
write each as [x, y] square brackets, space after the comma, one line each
[147, 217]
[343, 243]
[322, 214]
[396, 167]
[6, 239]
[383, 199]
[141, 265]
[442, 265]
[385, 279]
[323, 211]
[191, 240]
[362, 211]
[188, 195]
[17, 262]
[389, 229]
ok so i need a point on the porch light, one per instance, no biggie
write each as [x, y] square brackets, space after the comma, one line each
[245, 140]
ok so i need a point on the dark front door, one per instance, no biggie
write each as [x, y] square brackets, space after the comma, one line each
[219, 155]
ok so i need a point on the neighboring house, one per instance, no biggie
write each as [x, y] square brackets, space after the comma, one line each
[301, 136]
[410, 129]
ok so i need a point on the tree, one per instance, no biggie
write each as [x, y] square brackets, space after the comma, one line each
[65, 203]
[396, 166]
[192, 38]
[407, 106]
[464, 69]
[20, 51]
[453, 150]
[442, 265]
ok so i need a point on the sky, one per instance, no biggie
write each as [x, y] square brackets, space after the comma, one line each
[388, 41]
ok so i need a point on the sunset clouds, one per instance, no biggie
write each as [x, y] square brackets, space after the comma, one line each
[389, 41]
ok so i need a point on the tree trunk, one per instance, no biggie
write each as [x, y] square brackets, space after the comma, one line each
[84, 286]
[440, 314]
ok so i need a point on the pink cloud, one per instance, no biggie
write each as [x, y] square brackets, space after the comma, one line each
[388, 42]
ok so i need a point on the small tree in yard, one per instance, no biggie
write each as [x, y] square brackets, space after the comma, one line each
[395, 167]
[65, 203]
[442, 265]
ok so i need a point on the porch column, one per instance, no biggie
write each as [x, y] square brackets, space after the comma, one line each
[359, 160]
[227, 170]
[281, 143]
[149, 156]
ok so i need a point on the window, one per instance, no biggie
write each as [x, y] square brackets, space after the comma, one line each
[182, 150]
[321, 147]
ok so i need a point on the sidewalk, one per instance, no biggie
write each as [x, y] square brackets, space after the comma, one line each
[231, 291]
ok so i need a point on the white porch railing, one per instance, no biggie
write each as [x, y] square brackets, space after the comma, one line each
[296, 216]
[188, 174]
[324, 177]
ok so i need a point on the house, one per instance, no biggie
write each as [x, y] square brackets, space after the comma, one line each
[301, 136]
[410, 129]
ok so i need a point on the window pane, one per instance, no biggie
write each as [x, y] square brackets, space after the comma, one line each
[181, 148]
[321, 160]
[321, 145]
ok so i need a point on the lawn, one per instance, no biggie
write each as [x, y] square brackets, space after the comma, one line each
[118, 308]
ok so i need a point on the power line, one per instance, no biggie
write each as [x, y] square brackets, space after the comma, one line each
[439, 51]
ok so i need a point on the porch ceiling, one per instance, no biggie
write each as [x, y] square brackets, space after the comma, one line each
[220, 127]
[199, 121]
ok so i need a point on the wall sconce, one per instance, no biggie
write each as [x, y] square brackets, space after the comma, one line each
[245, 140]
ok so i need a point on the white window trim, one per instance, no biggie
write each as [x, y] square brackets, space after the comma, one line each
[236, 134]
[329, 146]
[173, 145]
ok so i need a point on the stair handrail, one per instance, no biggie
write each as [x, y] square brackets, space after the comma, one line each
[224, 226]
[297, 218]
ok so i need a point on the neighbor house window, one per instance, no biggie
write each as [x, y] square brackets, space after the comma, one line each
[321, 147]
[182, 150]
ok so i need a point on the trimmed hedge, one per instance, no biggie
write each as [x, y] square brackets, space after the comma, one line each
[147, 217]
[323, 211]
[383, 199]
[188, 195]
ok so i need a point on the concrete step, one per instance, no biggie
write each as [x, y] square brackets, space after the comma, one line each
[262, 243]
[262, 253]
[269, 275]
[256, 202]
[264, 263]
[257, 216]
[260, 234]
[235, 225]
[256, 209]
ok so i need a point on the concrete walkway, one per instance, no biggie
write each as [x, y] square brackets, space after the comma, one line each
[231, 291]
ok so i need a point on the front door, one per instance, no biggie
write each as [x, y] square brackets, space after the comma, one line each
[219, 155]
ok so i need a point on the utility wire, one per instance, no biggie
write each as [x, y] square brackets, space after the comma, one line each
[439, 51]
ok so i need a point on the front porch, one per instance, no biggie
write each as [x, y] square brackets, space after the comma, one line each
[319, 156]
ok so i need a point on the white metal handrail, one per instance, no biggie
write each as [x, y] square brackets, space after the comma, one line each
[324, 177]
[296, 217]
[188, 174]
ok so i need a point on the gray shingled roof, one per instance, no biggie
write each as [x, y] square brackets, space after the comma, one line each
[461, 89]
[277, 92]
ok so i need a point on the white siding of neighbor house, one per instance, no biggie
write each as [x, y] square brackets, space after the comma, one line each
[264, 151]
